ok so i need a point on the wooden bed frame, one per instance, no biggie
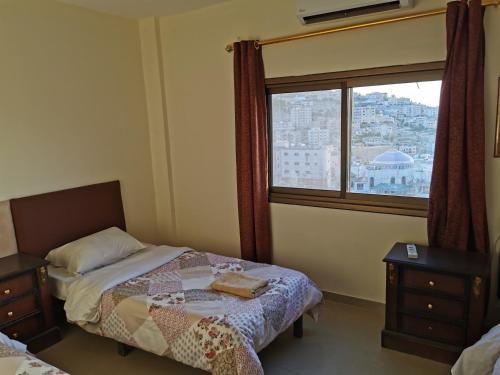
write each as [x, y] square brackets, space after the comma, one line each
[46, 221]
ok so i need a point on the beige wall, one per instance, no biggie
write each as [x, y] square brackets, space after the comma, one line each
[341, 250]
[152, 61]
[72, 105]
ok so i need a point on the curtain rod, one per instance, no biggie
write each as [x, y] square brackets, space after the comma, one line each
[383, 21]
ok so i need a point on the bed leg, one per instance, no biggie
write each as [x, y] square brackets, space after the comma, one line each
[124, 349]
[298, 327]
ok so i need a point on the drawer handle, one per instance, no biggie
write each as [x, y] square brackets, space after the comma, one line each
[6, 292]
[430, 306]
[10, 314]
[15, 335]
[431, 283]
[429, 328]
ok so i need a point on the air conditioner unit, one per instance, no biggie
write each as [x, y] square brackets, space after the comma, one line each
[313, 11]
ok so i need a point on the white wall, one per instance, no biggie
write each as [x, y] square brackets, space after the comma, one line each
[72, 105]
[341, 250]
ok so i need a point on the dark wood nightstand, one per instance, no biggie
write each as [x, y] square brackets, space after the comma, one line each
[25, 302]
[435, 305]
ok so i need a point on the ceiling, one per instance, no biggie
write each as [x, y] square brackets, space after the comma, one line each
[142, 8]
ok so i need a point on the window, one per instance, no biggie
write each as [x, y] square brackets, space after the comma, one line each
[309, 124]
[361, 140]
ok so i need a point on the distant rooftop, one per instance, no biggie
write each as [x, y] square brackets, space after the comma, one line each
[393, 157]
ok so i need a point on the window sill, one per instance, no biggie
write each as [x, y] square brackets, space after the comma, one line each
[384, 206]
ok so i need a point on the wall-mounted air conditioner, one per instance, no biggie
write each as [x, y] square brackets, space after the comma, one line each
[313, 11]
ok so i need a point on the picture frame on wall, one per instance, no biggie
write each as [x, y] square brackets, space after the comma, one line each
[497, 135]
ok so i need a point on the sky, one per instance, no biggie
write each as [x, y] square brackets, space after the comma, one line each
[422, 92]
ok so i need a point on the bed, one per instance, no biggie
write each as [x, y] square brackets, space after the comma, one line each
[159, 299]
[15, 360]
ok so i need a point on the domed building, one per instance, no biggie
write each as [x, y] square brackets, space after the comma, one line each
[393, 159]
[391, 172]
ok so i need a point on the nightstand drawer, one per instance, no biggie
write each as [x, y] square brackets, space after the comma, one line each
[17, 309]
[25, 329]
[16, 286]
[433, 305]
[432, 329]
[434, 282]
[25, 301]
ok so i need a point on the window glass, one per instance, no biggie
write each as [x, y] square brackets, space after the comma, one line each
[393, 131]
[306, 134]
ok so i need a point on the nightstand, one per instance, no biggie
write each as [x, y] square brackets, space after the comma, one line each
[435, 305]
[25, 302]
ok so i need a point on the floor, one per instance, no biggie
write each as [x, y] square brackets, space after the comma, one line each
[345, 341]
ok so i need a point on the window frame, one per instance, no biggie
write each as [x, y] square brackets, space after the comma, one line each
[346, 80]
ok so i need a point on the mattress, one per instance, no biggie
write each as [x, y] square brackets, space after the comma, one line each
[60, 280]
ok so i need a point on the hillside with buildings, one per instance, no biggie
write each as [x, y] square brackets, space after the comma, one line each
[391, 142]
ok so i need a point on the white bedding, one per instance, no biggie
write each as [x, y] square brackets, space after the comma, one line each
[84, 294]
[14, 344]
[60, 280]
[482, 358]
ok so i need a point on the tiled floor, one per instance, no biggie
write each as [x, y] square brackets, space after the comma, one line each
[345, 341]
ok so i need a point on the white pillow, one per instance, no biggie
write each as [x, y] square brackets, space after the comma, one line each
[94, 251]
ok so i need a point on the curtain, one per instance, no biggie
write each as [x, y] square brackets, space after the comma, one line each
[252, 152]
[457, 203]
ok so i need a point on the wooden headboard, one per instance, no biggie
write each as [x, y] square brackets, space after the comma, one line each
[46, 221]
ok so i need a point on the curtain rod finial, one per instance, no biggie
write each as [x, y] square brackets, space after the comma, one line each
[229, 48]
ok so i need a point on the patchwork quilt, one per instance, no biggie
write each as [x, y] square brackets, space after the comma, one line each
[171, 311]
[13, 362]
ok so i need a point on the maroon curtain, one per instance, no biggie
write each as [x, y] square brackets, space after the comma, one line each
[252, 152]
[457, 204]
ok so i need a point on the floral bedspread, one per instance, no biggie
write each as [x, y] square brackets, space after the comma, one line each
[13, 362]
[171, 311]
